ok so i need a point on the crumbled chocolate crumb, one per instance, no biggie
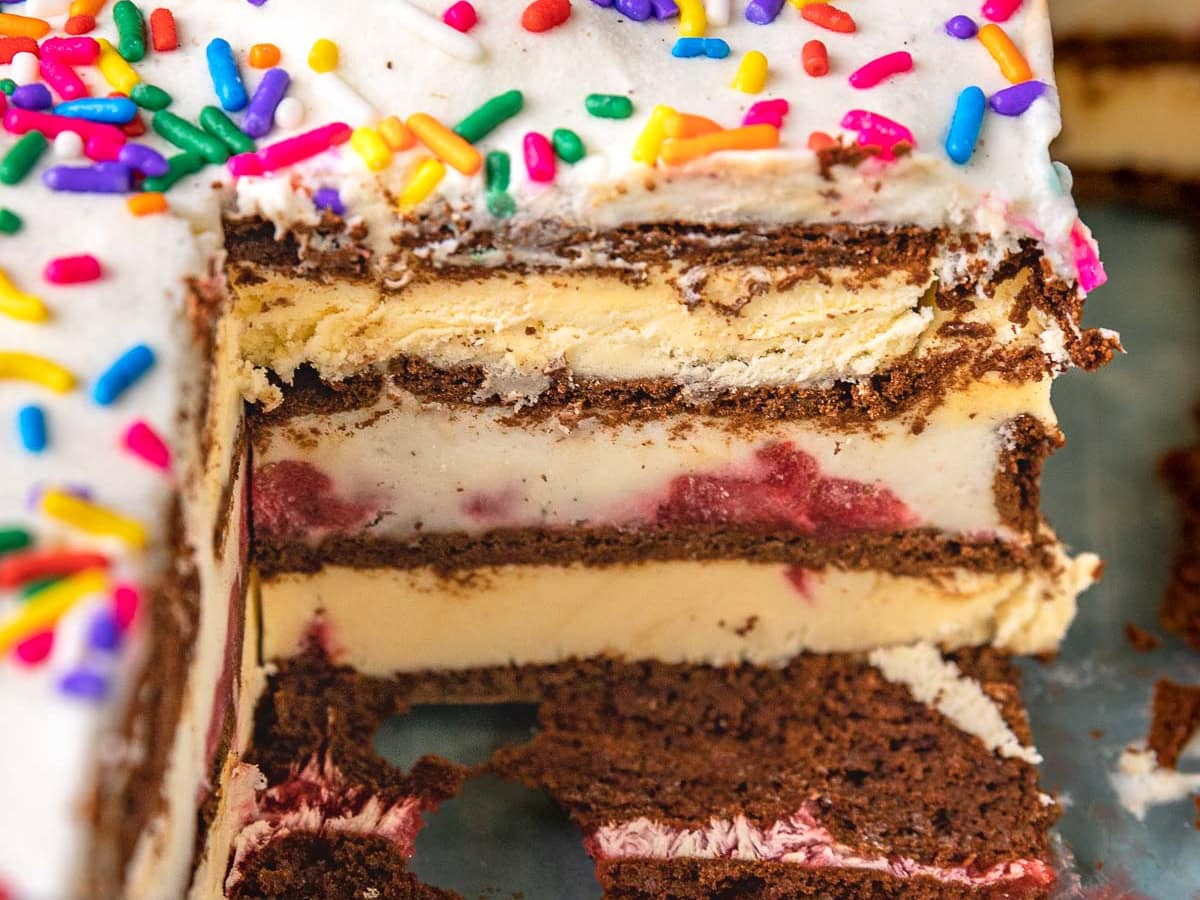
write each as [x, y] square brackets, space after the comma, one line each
[1140, 639]
[1174, 718]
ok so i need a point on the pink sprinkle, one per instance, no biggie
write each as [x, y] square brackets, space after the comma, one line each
[769, 112]
[66, 83]
[72, 269]
[75, 51]
[20, 121]
[877, 70]
[461, 16]
[35, 649]
[1087, 258]
[245, 164]
[143, 441]
[290, 151]
[125, 602]
[539, 157]
[879, 131]
[102, 148]
[1000, 10]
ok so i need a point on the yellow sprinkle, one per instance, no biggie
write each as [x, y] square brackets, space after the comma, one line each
[800, 4]
[38, 369]
[119, 74]
[86, 7]
[446, 145]
[375, 152]
[92, 518]
[649, 142]
[1012, 63]
[751, 74]
[693, 21]
[323, 57]
[49, 605]
[424, 179]
[395, 134]
[19, 305]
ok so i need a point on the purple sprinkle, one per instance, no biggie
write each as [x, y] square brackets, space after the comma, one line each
[605, 3]
[763, 12]
[260, 112]
[257, 2]
[638, 10]
[34, 496]
[664, 9]
[328, 198]
[84, 683]
[962, 27]
[1015, 100]
[32, 96]
[104, 633]
[143, 159]
[102, 178]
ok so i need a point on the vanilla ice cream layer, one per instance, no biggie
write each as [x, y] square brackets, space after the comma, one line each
[406, 467]
[1131, 117]
[399, 620]
[750, 326]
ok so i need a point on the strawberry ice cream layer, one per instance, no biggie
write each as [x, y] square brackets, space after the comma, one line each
[405, 468]
[798, 839]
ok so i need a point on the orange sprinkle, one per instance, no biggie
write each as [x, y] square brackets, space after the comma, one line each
[147, 203]
[819, 140]
[263, 56]
[80, 24]
[685, 125]
[162, 30]
[1011, 61]
[86, 7]
[395, 134]
[748, 137]
[829, 17]
[446, 145]
[815, 58]
[13, 25]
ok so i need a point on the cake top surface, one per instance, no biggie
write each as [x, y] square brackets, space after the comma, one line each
[95, 351]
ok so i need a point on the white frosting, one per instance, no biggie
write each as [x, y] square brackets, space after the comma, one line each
[939, 683]
[1141, 783]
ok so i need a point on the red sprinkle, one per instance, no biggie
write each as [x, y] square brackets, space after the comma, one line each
[829, 17]
[461, 16]
[18, 568]
[542, 15]
[162, 30]
[815, 58]
[11, 46]
[80, 24]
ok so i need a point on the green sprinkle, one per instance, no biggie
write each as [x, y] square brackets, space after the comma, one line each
[186, 136]
[609, 106]
[567, 145]
[131, 31]
[179, 166]
[150, 96]
[21, 157]
[14, 539]
[35, 587]
[220, 126]
[7, 85]
[497, 170]
[10, 222]
[488, 117]
[501, 204]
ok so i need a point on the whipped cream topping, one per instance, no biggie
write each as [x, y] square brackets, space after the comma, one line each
[798, 839]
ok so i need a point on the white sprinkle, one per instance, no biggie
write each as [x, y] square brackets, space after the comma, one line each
[24, 68]
[289, 113]
[68, 145]
[717, 11]
[334, 93]
[435, 31]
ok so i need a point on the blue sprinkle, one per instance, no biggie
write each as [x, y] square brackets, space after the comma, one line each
[85, 684]
[226, 79]
[1015, 100]
[763, 12]
[688, 47]
[143, 159]
[260, 114]
[31, 426]
[664, 9]
[638, 10]
[113, 110]
[715, 48]
[103, 632]
[965, 125]
[328, 198]
[962, 27]
[31, 96]
[123, 374]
